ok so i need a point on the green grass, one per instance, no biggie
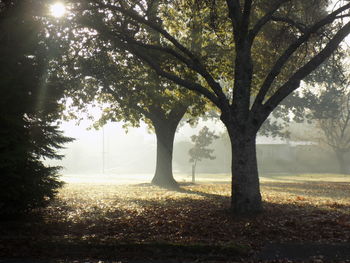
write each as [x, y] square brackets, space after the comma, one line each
[306, 177]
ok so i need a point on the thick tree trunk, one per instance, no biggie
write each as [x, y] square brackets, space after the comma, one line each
[246, 197]
[165, 141]
[343, 167]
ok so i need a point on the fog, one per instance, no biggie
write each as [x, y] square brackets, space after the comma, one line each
[113, 154]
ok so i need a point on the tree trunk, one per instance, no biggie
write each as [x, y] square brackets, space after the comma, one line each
[246, 197]
[343, 169]
[163, 176]
[194, 172]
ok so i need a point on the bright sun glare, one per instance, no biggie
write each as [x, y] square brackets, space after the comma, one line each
[57, 9]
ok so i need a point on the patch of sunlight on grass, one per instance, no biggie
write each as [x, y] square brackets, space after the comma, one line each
[139, 178]
[305, 177]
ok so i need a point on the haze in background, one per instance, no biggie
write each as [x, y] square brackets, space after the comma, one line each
[111, 153]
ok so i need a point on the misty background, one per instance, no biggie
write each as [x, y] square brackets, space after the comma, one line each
[113, 151]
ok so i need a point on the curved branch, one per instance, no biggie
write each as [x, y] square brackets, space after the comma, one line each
[182, 82]
[194, 62]
[301, 27]
[205, 74]
[264, 20]
[294, 81]
[117, 41]
[154, 26]
[291, 50]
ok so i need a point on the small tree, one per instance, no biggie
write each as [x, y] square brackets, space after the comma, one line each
[199, 150]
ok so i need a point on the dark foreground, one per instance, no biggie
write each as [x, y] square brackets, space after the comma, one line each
[304, 221]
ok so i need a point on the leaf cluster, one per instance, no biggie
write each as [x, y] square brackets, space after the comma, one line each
[200, 142]
[96, 71]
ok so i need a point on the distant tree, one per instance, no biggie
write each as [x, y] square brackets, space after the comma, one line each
[199, 151]
[28, 107]
[323, 107]
[336, 130]
[327, 109]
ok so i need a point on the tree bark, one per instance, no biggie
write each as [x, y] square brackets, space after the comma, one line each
[165, 134]
[246, 197]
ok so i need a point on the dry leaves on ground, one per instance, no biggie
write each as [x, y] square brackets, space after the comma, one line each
[102, 215]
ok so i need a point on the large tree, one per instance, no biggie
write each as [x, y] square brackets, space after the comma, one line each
[28, 106]
[241, 25]
[127, 90]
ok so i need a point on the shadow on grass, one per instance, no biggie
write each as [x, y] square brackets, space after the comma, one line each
[209, 196]
[79, 250]
[190, 224]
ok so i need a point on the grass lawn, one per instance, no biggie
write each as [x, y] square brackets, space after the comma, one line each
[118, 223]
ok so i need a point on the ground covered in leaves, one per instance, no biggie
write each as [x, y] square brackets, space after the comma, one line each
[139, 223]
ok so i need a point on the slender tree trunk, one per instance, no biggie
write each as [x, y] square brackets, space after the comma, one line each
[246, 197]
[343, 169]
[194, 172]
[165, 141]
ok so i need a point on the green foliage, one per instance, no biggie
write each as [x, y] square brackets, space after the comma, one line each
[101, 73]
[199, 150]
[28, 108]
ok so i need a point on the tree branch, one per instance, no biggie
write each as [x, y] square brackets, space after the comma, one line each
[132, 14]
[290, 51]
[294, 81]
[301, 27]
[246, 17]
[198, 68]
[265, 19]
[194, 62]
[235, 15]
[182, 82]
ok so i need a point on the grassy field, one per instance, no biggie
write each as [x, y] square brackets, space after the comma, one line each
[91, 222]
